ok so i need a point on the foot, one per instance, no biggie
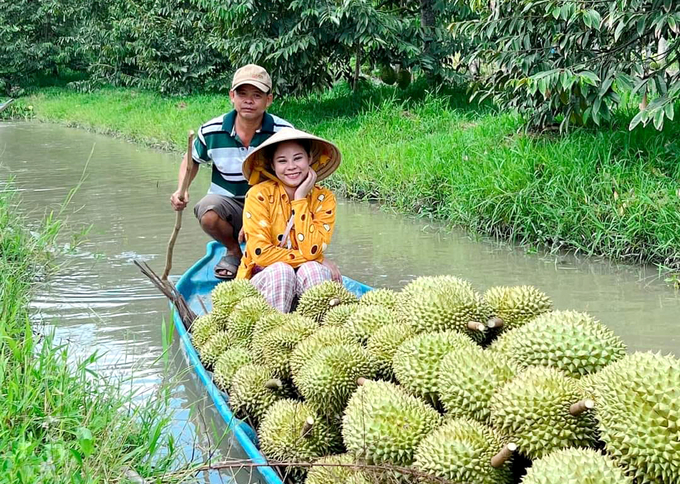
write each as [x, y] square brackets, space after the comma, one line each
[227, 267]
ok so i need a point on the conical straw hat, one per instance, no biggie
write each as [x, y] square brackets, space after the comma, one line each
[324, 155]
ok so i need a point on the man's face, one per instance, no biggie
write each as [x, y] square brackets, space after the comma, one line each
[249, 102]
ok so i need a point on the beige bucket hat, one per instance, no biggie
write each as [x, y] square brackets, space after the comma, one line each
[325, 156]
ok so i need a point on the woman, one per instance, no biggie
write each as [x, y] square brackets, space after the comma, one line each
[288, 220]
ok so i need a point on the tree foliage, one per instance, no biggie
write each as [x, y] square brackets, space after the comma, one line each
[570, 61]
[310, 43]
[155, 44]
[37, 39]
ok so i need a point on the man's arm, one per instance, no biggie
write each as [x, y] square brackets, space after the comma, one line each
[180, 200]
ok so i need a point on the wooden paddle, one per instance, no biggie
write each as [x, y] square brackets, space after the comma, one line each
[178, 215]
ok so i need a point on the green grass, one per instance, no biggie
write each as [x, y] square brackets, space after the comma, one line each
[59, 422]
[608, 192]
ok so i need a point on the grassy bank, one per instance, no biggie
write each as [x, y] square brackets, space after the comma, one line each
[609, 192]
[60, 423]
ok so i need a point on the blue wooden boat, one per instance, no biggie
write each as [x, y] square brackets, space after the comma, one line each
[195, 286]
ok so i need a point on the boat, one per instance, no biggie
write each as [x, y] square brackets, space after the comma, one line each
[195, 286]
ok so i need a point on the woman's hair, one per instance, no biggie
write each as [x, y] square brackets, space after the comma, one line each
[269, 150]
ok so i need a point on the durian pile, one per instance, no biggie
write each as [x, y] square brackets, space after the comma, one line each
[441, 380]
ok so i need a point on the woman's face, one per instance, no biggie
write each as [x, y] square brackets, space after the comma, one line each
[290, 163]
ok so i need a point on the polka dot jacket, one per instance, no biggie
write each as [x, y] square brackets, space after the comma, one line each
[266, 213]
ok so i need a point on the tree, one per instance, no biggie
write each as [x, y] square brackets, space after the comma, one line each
[570, 61]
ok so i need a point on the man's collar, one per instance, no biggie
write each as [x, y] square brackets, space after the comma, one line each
[229, 123]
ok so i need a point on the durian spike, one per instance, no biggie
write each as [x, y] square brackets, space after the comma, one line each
[361, 380]
[476, 326]
[505, 453]
[495, 323]
[307, 427]
[334, 302]
[579, 407]
[273, 384]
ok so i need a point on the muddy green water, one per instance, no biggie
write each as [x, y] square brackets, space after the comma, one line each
[100, 302]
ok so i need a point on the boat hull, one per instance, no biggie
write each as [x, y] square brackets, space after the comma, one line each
[195, 286]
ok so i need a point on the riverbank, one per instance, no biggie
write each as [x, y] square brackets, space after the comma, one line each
[60, 422]
[612, 193]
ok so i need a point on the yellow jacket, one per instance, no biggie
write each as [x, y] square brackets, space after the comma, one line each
[266, 213]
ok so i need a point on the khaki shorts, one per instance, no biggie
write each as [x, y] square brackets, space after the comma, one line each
[226, 208]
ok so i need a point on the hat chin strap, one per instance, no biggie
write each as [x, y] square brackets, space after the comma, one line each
[256, 175]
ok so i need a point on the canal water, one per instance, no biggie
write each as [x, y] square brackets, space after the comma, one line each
[100, 302]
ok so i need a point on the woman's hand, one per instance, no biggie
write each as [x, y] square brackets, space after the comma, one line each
[335, 271]
[306, 186]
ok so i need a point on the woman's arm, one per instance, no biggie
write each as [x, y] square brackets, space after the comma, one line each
[259, 239]
[314, 222]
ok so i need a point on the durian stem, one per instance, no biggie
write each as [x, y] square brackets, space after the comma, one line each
[495, 323]
[476, 326]
[307, 427]
[579, 407]
[334, 302]
[361, 381]
[505, 453]
[273, 384]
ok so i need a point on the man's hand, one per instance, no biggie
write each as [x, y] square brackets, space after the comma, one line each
[335, 271]
[179, 201]
[241, 236]
[306, 186]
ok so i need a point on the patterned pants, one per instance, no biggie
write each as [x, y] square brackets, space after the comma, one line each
[280, 283]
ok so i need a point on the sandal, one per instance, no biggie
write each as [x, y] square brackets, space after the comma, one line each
[227, 267]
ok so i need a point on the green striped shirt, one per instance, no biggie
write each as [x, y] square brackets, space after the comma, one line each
[217, 142]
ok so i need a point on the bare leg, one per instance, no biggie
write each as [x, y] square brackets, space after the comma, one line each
[222, 231]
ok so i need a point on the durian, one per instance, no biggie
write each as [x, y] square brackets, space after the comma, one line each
[262, 327]
[381, 297]
[367, 319]
[322, 338]
[637, 402]
[292, 431]
[228, 364]
[214, 347]
[244, 316]
[202, 329]
[317, 300]
[449, 304]
[403, 78]
[253, 390]
[515, 306]
[338, 315]
[388, 75]
[227, 295]
[567, 340]
[329, 378]
[278, 344]
[466, 381]
[582, 466]
[416, 361]
[325, 473]
[383, 344]
[384, 424]
[534, 410]
[461, 450]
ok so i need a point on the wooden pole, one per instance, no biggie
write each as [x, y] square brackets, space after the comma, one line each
[178, 215]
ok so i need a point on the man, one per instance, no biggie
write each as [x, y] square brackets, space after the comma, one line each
[226, 141]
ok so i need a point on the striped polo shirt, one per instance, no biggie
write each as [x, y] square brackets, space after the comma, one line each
[217, 142]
